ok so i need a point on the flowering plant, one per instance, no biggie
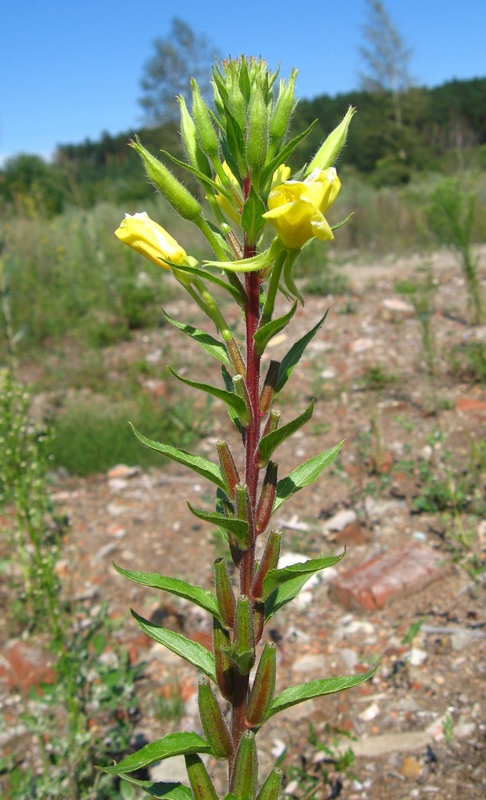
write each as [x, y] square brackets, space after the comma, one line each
[238, 152]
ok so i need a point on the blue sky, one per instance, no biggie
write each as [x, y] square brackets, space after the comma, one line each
[71, 70]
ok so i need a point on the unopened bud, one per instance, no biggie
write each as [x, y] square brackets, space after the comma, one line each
[245, 769]
[330, 149]
[263, 686]
[213, 723]
[268, 391]
[223, 666]
[224, 592]
[201, 784]
[267, 497]
[174, 192]
[284, 107]
[197, 159]
[269, 561]
[239, 384]
[257, 141]
[227, 464]
[243, 637]
[204, 127]
[271, 787]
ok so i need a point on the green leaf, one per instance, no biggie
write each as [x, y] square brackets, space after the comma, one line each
[244, 661]
[283, 154]
[208, 276]
[277, 577]
[197, 463]
[193, 652]
[196, 594]
[268, 331]
[208, 342]
[230, 398]
[294, 355]
[228, 382]
[253, 264]
[271, 441]
[174, 744]
[304, 475]
[251, 219]
[167, 791]
[237, 527]
[307, 691]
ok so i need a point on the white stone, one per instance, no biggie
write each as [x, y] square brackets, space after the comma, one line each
[416, 657]
[340, 520]
[369, 713]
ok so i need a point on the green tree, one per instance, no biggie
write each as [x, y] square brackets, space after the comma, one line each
[180, 56]
[386, 57]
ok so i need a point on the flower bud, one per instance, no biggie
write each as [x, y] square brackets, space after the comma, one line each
[227, 465]
[245, 769]
[204, 127]
[223, 666]
[267, 497]
[201, 784]
[263, 686]
[145, 236]
[269, 561]
[195, 155]
[243, 637]
[268, 390]
[271, 787]
[257, 141]
[241, 390]
[213, 723]
[284, 107]
[174, 192]
[224, 592]
[330, 149]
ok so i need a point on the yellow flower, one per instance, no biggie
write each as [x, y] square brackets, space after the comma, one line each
[142, 234]
[232, 210]
[296, 208]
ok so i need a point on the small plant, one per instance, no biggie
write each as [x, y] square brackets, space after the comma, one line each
[260, 222]
[450, 215]
[468, 361]
[375, 378]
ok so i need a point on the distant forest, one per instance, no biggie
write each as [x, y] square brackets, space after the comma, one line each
[442, 130]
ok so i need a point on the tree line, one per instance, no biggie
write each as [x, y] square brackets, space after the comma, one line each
[442, 129]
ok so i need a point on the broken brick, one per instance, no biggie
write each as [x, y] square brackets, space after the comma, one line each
[388, 577]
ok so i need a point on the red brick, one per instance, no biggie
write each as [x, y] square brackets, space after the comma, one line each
[351, 534]
[470, 405]
[25, 666]
[398, 573]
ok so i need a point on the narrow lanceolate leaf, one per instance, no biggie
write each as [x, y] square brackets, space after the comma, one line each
[277, 577]
[270, 442]
[304, 475]
[284, 594]
[196, 594]
[209, 343]
[230, 398]
[306, 691]
[268, 331]
[294, 355]
[237, 527]
[193, 652]
[174, 744]
[197, 463]
[167, 791]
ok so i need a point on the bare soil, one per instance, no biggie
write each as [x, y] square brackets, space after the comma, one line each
[404, 437]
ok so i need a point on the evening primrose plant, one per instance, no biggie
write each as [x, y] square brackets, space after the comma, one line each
[257, 219]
